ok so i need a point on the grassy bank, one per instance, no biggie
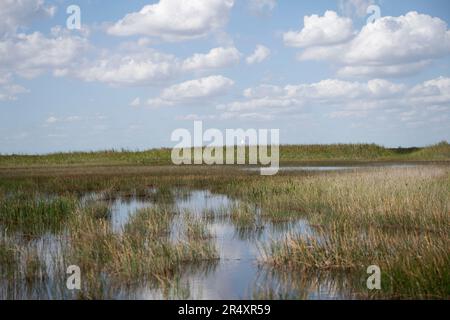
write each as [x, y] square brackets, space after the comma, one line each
[288, 154]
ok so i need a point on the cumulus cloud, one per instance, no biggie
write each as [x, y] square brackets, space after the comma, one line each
[216, 58]
[146, 67]
[391, 46]
[434, 93]
[193, 90]
[262, 91]
[320, 30]
[15, 14]
[260, 54]
[28, 55]
[410, 38]
[340, 98]
[396, 70]
[63, 53]
[175, 20]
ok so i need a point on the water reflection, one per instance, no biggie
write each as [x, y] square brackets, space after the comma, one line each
[238, 231]
[237, 273]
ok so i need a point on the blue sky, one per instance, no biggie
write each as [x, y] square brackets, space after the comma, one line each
[137, 70]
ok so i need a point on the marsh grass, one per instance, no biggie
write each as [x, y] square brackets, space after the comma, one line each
[196, 229]
[396, 219]
[34, 268]
[243, 215]
[9, 259]
[143, 252]
[35, 215]
[412, 265]
[98, 210]
[151, 223]
[22, 269]
[303, 284]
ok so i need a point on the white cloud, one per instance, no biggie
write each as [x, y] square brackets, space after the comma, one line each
[339, 98]
[149, 67]
[195, 117]
[145, 67]
[392, 40]
[193, 90]
[355, 7]
[262, 91]
[380, 88]
[175, 20]
[260, 54]
[261, 6]
[216, 58]
[433, 87]
[199, 88]
[73, 118]
[9, 92]
[28, 55]
[63, 53]
[391, 46]
[15, 14]
[136, 102]
[398, 70]
[259, 104]
[53, 119]
[433, 94]
[320, 30]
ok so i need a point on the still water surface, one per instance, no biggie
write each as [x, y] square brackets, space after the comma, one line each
[239, 273]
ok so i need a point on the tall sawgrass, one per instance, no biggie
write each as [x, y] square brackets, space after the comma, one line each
[397, 219]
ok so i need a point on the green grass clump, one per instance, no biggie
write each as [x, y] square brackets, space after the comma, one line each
[144, 251]
[152, 223]
[195, 229]
[34, 215]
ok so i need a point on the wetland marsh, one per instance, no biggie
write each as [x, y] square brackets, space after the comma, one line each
[202, 232]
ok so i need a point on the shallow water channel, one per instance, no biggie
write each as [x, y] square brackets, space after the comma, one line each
[239, 273]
